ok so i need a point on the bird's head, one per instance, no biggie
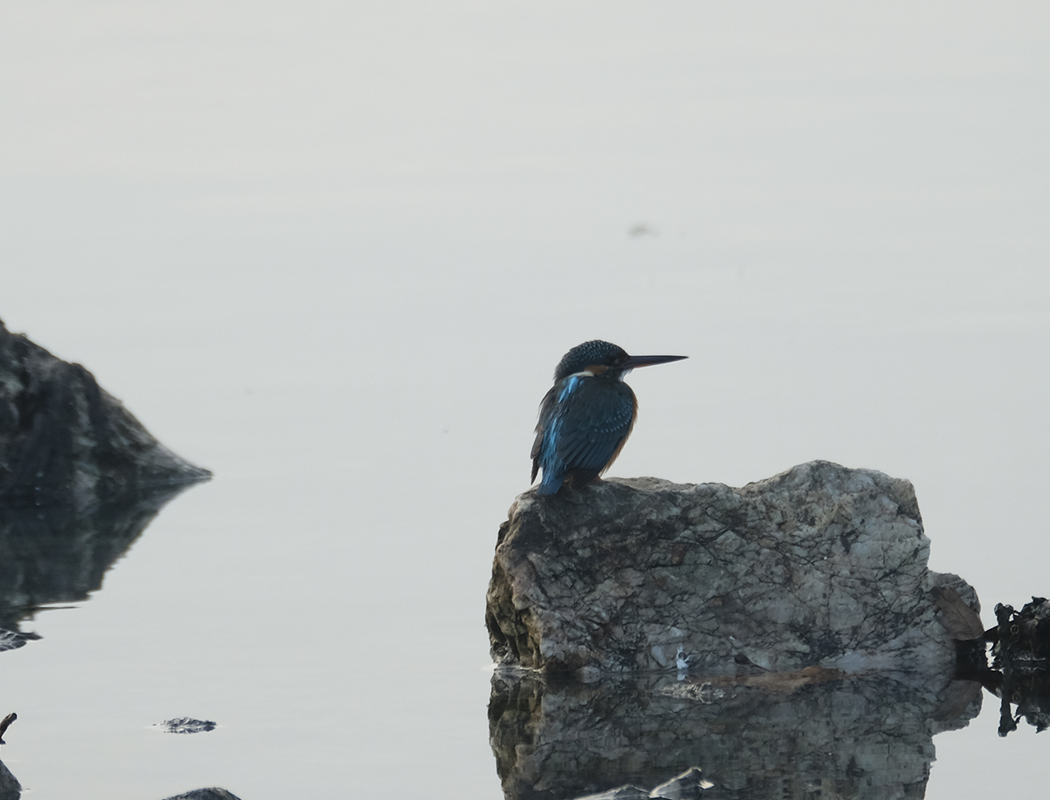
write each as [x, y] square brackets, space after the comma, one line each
[596, 358]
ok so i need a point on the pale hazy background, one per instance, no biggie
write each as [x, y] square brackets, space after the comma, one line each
[333, 252]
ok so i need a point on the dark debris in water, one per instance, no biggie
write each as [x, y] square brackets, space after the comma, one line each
[5, 723]
[1022, 651]
[186, 725]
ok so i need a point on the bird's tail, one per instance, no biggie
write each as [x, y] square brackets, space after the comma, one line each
[549, 485]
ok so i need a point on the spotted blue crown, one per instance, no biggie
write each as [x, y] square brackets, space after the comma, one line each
[588, 354]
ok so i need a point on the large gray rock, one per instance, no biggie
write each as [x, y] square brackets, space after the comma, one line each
[820, 565]
[64, 441]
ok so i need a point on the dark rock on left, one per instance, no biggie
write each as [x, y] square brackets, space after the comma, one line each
[65, 441]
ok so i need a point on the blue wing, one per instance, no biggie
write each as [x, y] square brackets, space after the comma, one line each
[583, 424]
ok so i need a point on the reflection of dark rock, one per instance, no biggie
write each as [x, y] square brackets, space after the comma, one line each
[805, 734]
[55, 555]
[10, 788]
[206, 794]
[65, 441]
[187, 725]
[818, 565]
[1030, 692]
[1022, 652]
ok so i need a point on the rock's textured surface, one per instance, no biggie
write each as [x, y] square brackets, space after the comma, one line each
[818, 565]
[65, 441]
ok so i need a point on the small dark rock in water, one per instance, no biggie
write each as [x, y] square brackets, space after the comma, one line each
[820, 565]
[206, 794]
[1023, 637]
[187, 725]
[1022, 652]
[64, 441]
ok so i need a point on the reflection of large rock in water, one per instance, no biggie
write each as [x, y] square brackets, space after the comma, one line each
[65, 441]
[814, 733]
[56, 555]
[80, 479]
[820, 565]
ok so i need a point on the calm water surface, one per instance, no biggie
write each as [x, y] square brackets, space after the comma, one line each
[333, 254]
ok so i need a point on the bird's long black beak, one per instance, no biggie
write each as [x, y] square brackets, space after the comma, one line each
[633, 362]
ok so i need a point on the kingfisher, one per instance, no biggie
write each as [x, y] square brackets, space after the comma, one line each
[587, 415]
